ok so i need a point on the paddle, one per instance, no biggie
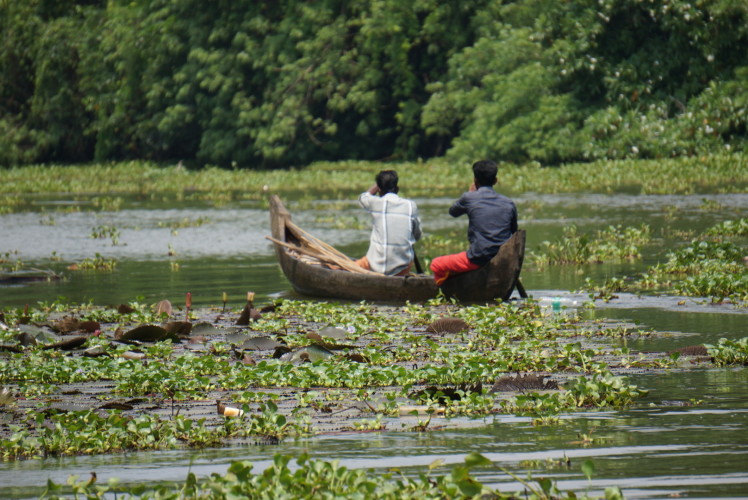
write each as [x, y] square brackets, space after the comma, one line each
[417, 262]
[521, 289]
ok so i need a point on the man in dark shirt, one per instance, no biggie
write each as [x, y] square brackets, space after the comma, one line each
[492, 221]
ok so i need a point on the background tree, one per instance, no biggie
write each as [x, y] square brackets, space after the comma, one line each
[261, 83]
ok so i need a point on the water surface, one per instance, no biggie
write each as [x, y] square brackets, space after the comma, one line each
[688, 438]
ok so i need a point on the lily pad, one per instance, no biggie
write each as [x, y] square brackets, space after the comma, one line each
[334, 333]
[67, 344]
[206, 329]
[66, 324]
[248, 314]
[146, 333]
[310, 353]
[95, 351]
[89, 326]
[178, 327]
[40, 334]
[260, 344]
[26, 339]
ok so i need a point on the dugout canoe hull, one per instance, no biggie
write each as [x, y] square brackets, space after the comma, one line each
[495, 280]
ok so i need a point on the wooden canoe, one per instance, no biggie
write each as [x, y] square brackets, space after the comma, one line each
[495, 280]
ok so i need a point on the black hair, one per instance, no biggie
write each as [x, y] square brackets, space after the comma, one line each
[484, 172]
[387, 181]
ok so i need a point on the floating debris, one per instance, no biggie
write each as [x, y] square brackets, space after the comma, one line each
[134, 355]
[228, 411]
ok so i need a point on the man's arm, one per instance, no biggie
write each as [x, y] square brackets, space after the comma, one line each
[365, 197]
[458, 208]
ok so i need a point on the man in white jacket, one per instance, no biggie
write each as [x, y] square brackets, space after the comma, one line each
[395, 228]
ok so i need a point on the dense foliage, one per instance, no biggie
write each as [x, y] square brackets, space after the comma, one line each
[281, 83]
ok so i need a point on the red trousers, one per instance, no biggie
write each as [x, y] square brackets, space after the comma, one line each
[448, 265]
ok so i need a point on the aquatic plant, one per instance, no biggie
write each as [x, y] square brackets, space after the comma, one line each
[737, 227]
[710, 265]
[613, 243]
[703, 268]
[328, 479]
[97, 263]
[343, 180]
[377, 358]
[87, 432]
[729, 352]
[104, 231]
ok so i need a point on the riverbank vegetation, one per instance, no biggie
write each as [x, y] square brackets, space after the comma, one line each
[252, 84]
[105, 184]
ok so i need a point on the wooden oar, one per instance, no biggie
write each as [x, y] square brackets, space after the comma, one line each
[346, 264]
[313, 241]
[417, 262]
[521, 289]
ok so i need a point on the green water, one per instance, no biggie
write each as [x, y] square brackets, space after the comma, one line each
[659, 449]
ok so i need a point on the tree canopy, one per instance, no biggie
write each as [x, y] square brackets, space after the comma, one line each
[288, 82]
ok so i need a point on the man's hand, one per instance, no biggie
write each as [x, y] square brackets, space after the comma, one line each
[374, 190]
[473, 187]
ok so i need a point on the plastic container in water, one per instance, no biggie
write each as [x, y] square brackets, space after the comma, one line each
[559, 304]
[556, 304]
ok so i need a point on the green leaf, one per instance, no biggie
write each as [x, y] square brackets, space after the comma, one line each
[588, 468]
[477, 460]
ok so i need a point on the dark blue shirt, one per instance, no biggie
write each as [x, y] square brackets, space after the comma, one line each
[492, 221]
